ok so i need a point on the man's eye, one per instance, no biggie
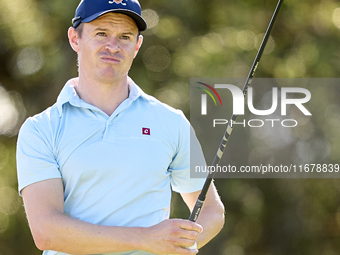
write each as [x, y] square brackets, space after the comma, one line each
[125, 37]
[101, 33]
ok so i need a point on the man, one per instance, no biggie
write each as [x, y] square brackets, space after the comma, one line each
[96, 169]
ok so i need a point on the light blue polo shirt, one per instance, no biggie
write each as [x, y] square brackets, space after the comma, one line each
[117, 170]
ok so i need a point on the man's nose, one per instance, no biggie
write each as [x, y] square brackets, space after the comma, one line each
[112, 44]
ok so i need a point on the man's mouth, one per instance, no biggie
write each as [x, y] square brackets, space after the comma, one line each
[109, 58]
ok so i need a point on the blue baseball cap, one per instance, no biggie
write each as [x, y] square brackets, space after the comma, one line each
[89, 10]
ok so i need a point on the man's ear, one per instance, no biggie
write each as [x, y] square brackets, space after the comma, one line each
[73, 38]
[139, 44]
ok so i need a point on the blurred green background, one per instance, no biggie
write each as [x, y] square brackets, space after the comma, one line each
[188, 39]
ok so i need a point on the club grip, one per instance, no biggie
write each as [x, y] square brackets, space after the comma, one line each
[194, 247]
[196, 211]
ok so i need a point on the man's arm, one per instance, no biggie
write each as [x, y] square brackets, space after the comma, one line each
[211, 217]
[52, 230]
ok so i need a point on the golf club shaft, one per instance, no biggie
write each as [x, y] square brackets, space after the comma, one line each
[201, 198]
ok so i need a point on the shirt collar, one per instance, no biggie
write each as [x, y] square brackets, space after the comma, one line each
[69, 94]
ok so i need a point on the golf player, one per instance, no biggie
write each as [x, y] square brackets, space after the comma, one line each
[96, 169]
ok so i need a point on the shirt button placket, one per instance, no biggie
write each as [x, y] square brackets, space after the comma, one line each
[109, 135]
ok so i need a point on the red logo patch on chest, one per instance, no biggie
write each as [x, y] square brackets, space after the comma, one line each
[146, 131]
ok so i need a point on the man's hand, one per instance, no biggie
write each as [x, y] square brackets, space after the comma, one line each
[211, 216]
[171, 237]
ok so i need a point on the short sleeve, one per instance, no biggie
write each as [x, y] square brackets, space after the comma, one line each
[181, 181]
[35, 158]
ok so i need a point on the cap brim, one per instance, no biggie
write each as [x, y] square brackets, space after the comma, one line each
[140, 22]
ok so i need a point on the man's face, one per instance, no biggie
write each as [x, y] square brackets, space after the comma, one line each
[107, 47]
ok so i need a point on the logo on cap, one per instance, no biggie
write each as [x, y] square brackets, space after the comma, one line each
[117, 2]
